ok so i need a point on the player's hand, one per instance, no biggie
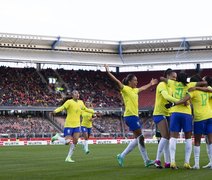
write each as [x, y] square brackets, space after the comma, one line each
[52, 113]
[154, 81]
[106, 67]
[98, 114]
[186, 103]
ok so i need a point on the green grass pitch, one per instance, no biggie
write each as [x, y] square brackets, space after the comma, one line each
[47, 163]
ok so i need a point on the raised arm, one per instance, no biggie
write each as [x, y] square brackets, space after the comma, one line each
[152, 82]
[120, 85]
[59, 109]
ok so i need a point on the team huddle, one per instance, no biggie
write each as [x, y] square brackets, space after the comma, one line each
[175, 116]
[179, 105]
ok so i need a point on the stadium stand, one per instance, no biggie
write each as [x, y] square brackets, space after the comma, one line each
[26, 87]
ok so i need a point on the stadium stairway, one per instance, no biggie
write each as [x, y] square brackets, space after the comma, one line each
[54, 123]
[43, 79]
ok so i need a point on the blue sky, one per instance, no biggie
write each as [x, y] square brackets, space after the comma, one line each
[107, 19]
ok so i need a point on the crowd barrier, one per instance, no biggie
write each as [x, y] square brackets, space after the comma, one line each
[90, 141]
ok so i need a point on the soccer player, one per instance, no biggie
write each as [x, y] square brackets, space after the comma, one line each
[202, 120]
[181, 118]
[129, 92]
[86, 125]
[73, 107]
[161, 118]
[208, 89]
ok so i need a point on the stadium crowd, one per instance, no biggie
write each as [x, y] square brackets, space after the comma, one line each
[23, 127]
[30, 87]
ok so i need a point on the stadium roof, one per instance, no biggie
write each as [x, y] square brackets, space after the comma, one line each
[61, 50]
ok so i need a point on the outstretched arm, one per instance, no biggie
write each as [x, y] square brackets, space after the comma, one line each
[168, 97]
[152, 82]
[59, 109]
[202, 83]
[113, 77]
[205, 89]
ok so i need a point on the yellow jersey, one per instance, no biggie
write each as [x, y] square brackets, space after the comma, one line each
[74, 110]
[86, 119]
[210, 99]
[201, 105]
[160, 101]
[179, 91]
[130, 97]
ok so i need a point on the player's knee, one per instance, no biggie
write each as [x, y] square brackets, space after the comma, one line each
[67, 141]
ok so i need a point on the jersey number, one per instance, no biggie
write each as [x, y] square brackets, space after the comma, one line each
[204, 99]
[179, 93]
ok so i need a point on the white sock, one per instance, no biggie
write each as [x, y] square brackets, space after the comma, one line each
[172, 148]
[71, 149]
[86, 145]
[129, 148]
[161, 146]
[63, 140]
[210, 153]
[188, 150]
[166, 152]
[142, 150]
[196, 155]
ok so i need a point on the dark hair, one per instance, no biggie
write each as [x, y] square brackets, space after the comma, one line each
[167, 72]
[182, 77]
[126, 80]
[208, 80]
[196, 78]
[65, 99]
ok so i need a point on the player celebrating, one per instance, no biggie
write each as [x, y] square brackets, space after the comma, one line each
[202, 120]
[161, 118]
[181, 118]
[86, 125]
[129, 93]
[74, 107]
[206, 89]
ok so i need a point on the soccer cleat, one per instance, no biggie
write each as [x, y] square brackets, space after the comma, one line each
[195, 167]
[84, 149]
[158, 164]
[87, 152]
[167, 165]
[187, 166]
[207, 166]
[120, 160]
[68, 159]
[173, 166]
[149, 163]
[55, 137]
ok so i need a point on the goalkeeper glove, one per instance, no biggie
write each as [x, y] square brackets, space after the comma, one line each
[169, 105]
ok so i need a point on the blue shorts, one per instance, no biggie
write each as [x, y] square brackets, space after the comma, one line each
[180, 121]
[70, 131]
[85, 130]
[159, 118]
[133, 122]
[203, 127]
